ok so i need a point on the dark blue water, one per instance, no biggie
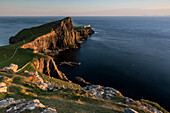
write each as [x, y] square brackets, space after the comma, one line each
[131, 54]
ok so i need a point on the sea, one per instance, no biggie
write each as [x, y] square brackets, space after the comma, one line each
[130, 54]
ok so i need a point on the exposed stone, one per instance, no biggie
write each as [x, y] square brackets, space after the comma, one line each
[21, 105]
[128, 110]
[82, 81]
[49, 110]
[12, 68]
[47, 86]
[151, 109]
[3, 87]
[70, 63]
[9, 101]
[101, 91]
[49, 67]
[61, 37]
[30, 105]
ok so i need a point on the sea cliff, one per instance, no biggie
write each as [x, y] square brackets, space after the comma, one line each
[34, 75]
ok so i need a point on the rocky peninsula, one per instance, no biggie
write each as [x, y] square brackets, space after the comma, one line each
[29, 76]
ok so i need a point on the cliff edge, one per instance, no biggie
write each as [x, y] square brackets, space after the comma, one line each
[50, 39]
[57, 36]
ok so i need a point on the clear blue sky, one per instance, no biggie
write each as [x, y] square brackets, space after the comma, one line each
[84, 7]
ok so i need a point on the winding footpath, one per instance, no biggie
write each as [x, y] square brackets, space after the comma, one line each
[11, 56]
[15, 51]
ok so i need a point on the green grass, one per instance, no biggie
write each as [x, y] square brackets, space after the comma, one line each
[64, 100]
[154, 104]
[22, 56]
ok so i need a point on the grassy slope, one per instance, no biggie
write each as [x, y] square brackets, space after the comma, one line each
[65, 100]
[23, 56]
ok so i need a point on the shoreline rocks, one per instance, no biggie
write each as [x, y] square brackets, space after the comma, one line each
[70, 63]
[82, 81]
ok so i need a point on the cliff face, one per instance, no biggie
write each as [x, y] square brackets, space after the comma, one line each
[62, 36]
[48, 67]
[50, 39]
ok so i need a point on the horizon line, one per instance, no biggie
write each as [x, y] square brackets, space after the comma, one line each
[85, 16]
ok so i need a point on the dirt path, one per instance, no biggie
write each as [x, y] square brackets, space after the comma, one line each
[15, 52]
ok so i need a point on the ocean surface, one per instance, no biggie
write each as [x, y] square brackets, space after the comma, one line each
[131, 54]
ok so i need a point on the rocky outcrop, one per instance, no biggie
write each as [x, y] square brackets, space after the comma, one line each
[153, 110]
[12, 68]
[48, 67]
[44, 85]
[50, 39]
[101, 91]
[128, 110]
[30, 105]
[3, 87]
[49, 110]
[82, 81]
[9, 101]
[70, 63]
[21, 105]
[62, 36]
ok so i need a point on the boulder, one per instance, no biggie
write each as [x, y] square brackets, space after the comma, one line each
[101, 91]
[151, 109]
[82, 81]
[70, 63]
[30, 105]
[49, 110]
[129, 110]
[9, 101]
[3, 87]
[12, 68]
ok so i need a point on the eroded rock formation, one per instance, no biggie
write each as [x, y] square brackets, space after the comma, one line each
[48, 67]
[3, 87]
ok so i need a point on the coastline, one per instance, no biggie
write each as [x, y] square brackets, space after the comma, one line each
[35, 52]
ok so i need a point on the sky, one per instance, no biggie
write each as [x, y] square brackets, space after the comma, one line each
[84, 7]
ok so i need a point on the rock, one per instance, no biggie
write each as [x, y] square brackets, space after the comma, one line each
[56, 88]
[151, 109]
[12, 68]
[61, 37]
[49, 110]
[49, 67]
[30, 105]
[46, 86]
[128, 100]
[70, 63]
[9, 101]
[101, 91]
[18, 106]
[3, 87]
[82, 81]
[128, 110]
